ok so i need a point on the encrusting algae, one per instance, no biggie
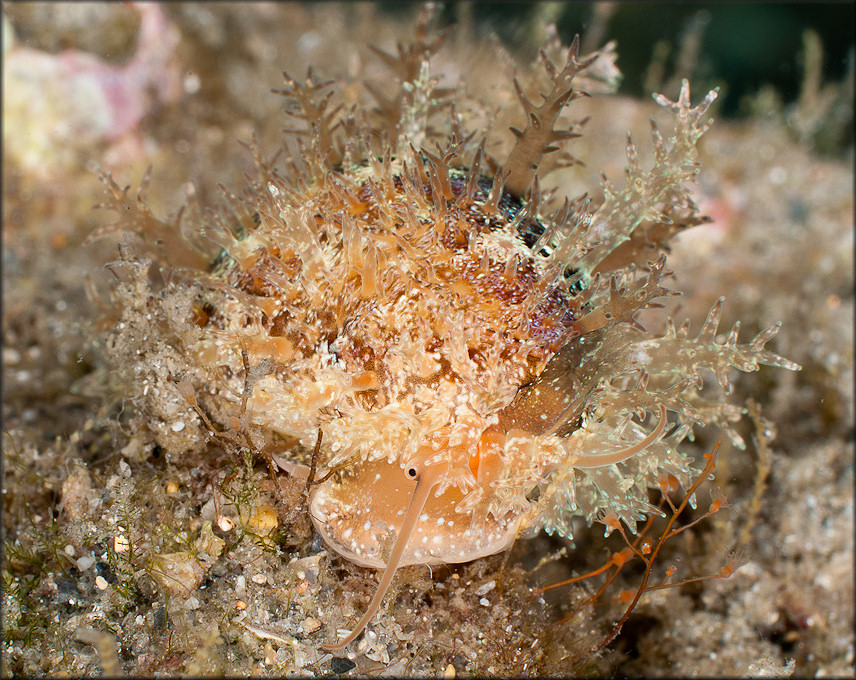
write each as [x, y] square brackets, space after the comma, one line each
[454, 352]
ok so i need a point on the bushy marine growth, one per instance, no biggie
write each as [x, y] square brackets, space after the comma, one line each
[419, 307]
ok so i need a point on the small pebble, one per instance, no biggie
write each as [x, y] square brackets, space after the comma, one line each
[339, 664]
[101, 584]
[263, 521]
[172, 487]
[486, 588]
[261, 579]
[69, 550]
[225, 523]
[85, 562]
[449, 672]
[310, 625]
[484, 602]
[192, 83]
[240, 605]
[121, 544]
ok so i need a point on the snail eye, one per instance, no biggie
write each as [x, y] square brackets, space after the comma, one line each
[411, 472]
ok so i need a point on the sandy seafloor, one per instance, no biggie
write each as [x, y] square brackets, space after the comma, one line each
[80, 471]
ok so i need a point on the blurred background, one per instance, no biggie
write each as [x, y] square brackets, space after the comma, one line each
[741, 46]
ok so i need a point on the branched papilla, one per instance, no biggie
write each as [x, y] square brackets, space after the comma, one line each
[647, 548]
[622, 302]
[648, 200]
[169, 243]
[320, 117]
[540, 136]
[407, 111]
